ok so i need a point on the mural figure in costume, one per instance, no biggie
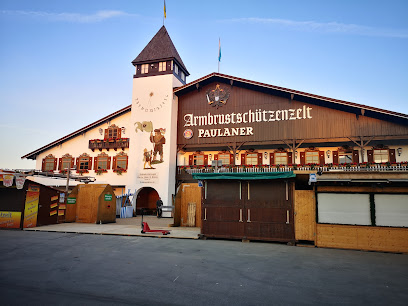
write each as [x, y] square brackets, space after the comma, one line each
[147, 158]
[158, 141]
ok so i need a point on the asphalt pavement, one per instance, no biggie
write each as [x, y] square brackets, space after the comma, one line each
[54, 268]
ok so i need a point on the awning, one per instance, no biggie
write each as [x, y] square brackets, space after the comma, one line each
[244, 176]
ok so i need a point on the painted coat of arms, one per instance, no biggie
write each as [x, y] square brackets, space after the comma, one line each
[217, 97]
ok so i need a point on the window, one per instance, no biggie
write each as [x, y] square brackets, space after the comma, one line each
[84, 162]
[102, 162]
[225, 158]
[281, 158]
[345, 158]
[183, 76]
[162, 66]
[198, 160]
[176, 69]
[65, 162]
[49, 163]
[112, 132]
[381, 156]
[312, 157]
[145, 68]
[251, 159]
[120, 162]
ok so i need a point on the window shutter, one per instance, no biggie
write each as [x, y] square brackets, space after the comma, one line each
[55, 164]
[60, 164]
[205, 160]
[114, 163]
[260, 158]
[335, 157]
[215, 156]
[106, 134]
[290, 156]
[302, 158]
[271, 158]
[72, 162]
[95, 163]
[355, 157]
[231, 159]
[43, 165]
[90, 163]
[119, 133]
[77, 163]
[321, 157]
[190, 160]
[109, 163]
[370, 156]
[391, 153]
[243, 162]
[127, 161]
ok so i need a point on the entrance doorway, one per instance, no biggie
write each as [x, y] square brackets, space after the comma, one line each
[146, 199]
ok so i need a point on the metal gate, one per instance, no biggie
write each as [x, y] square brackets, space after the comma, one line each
[257, 210]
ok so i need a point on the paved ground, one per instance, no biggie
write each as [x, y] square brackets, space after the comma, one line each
[125, 227]
[48, 268]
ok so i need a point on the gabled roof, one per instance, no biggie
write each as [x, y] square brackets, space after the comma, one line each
[358, 109]
[160, 47]
[122, 111]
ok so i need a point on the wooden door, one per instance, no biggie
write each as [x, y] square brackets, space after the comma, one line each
[257, 210]
[305, 215]
[190, 194]
[268, 210]
[222, 210]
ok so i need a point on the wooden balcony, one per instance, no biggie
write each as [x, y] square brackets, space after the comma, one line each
[115, 144]
[185, 172]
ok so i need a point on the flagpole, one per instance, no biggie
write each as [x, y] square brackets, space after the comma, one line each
[164, 11]
[219, 54]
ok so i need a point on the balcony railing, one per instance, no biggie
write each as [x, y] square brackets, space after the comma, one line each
[120, 143]
[298, 168]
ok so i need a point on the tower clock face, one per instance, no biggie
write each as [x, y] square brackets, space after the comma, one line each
[151, 102]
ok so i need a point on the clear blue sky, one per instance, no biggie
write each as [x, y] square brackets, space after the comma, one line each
[65, 64]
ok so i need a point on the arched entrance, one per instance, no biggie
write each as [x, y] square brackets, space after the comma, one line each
[147, 198]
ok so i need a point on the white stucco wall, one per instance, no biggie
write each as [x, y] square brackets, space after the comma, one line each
[79, 145]
[153, 101]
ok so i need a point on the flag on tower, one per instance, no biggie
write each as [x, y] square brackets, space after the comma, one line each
[164, 8]
[219, 49]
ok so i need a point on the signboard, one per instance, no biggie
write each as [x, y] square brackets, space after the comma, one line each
[200, 183]
[312, 178]
[108, 197]
[62, 198]
[10, 219]
[71, 200]
[31, 206]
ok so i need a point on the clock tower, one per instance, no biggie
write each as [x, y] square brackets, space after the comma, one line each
[153, 146]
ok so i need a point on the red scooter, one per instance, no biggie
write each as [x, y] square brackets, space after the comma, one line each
[146, 228]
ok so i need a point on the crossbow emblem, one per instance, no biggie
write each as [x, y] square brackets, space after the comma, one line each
[217, 97]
